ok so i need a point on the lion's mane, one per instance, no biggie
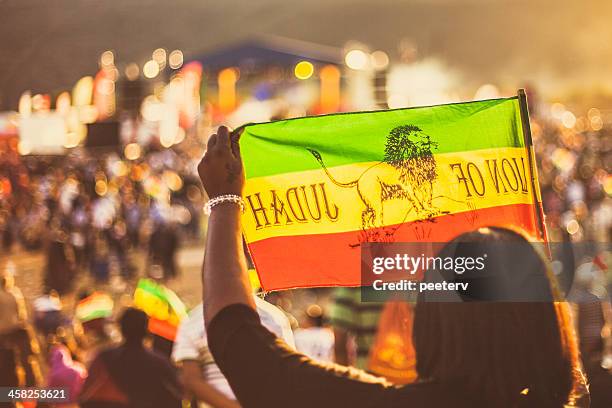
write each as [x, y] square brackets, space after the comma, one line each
[409, 151]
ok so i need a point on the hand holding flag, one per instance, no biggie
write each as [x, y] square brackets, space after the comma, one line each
[221, 169]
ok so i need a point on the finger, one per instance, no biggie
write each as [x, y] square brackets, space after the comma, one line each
[212, 141]
[236, 149]
[223, 138]
[235, 139]
[235, 134]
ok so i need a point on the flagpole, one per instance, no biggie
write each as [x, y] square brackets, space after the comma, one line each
[524, 110]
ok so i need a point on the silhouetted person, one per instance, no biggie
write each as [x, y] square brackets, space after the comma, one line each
[162, 249]
[135, 376]
[60, 268]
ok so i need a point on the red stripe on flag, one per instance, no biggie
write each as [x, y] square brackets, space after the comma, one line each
[329, 260]
[162, 328]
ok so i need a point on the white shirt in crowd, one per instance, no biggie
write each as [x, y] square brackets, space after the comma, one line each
[191, 342]
[316, 342]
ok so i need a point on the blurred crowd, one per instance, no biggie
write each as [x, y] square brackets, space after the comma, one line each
[574, 174]
[574, 167]
[87, 211]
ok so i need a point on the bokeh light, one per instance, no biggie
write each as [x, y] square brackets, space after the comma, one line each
[330, 88]
[556, 110]
[25, 104]
[150, 69]
[303, 70]
[228, 76]
[132, 151]
[83, 91]
[227, 88]
[180, 135]
[62, 103]
[119, 168]
[175, 60]
[106, 86]
[380, 60]
[159, 56]
[563, 159]
[172, 180]
[72, 140]
[107, 59]
[568, 119]
[132, 71]
[101, 187]
[39, 103]
[356, 59]
[151, 109]
[486, 91]
[593, 112]
[595, 119]
[596, 123]
[24, 147]
[607, 184]
[166, 139]
[572, 227]
[88, 114]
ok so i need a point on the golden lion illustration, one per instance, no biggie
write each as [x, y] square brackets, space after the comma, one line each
[407, 172]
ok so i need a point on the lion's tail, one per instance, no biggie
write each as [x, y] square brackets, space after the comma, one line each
[318, 157]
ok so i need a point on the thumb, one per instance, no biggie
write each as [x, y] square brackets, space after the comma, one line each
[236, 149]
[235, 141]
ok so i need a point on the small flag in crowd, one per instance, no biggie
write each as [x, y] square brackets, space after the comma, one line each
[318, 187]
[162, 305]
[98, 305]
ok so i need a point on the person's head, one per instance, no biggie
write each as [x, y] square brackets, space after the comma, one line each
[509, 354]
[84, 294]
[133, 323]
[314, 316]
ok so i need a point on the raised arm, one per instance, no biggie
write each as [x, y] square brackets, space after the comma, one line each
[262, 369]
[224, 272]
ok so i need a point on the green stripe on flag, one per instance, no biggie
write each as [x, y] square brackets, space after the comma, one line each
[158, 301]
[96, 306]
[345, 138]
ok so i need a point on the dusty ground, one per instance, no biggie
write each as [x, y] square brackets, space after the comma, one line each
[30, 266]
[188, 285]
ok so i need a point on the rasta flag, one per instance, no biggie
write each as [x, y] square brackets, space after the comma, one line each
[162, 305]
[98, 305]
[318, 187]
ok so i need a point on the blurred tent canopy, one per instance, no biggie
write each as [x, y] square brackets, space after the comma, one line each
[265, 50]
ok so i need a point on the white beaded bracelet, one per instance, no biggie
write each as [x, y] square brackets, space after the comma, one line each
[226, 198]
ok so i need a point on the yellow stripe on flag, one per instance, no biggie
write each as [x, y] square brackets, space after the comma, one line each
[351, 197]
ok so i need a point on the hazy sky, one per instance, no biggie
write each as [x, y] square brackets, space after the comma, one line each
[559, 44]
